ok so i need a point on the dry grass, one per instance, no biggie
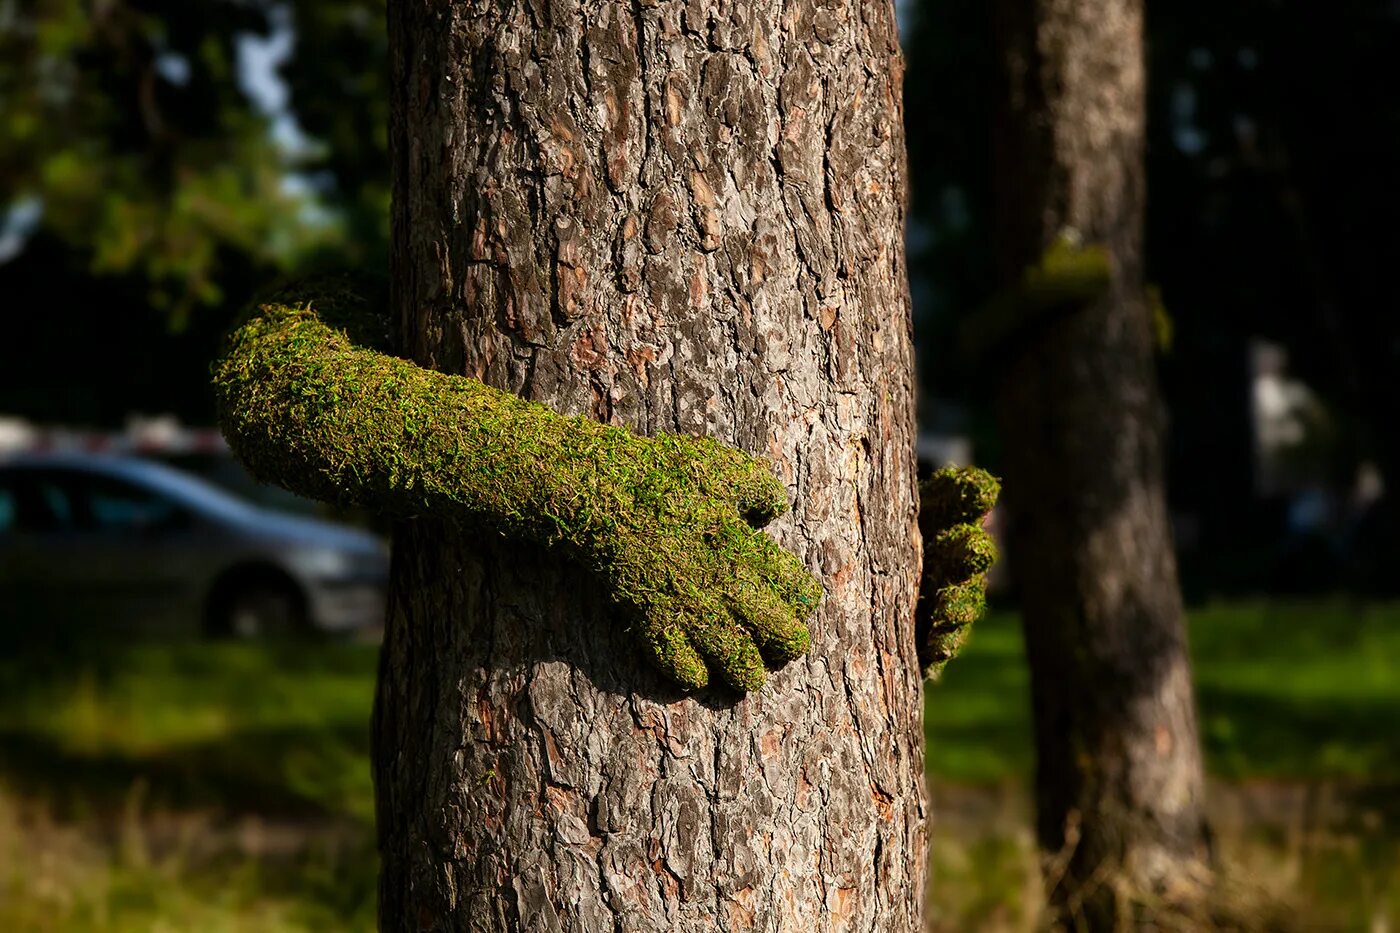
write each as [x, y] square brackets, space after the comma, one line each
[1292, 857]
[144, 870]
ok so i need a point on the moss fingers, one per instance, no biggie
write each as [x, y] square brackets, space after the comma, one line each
[957, 554]
[673, 654]
[775, 624]
[727, 646]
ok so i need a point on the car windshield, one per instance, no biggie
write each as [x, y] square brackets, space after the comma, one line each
[185, 488]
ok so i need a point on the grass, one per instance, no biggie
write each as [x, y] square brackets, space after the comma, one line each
[187, 786]
[1296, 691]
[1318, 856]
[193, 786]
[159, 871]
[272, 729]
[1299, 707]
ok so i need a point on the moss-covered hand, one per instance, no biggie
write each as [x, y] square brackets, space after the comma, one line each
[308, 400]
[957, 554]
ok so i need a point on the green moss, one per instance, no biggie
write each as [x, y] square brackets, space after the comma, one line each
[957, 554]
[1068, 273]
[1163, 327]
[1068, 276]
[308, 400]
[942, 648]
[962, 551]
[955, 496]
[960, 604]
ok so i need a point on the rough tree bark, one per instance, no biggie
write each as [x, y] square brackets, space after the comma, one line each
[1119, 783]
[682, 216]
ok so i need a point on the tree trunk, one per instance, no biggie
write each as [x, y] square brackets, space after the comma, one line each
[1118, 783]
[675, 216]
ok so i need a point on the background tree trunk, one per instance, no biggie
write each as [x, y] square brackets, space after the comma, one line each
[1118, 780]
[677, 216]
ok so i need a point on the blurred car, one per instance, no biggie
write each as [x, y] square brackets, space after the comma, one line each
[119, 543]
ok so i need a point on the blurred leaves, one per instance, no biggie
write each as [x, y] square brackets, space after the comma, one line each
[341, 96]
[130, 126]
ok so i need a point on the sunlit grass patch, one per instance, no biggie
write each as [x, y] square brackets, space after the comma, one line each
[1289, 690]
[281, 728]
[1299, 689]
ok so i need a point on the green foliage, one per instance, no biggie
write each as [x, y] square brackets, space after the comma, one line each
[670, 523]
[341, 95]
[958, 552]
[124, 123]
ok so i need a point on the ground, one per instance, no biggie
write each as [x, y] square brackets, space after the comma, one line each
[225, 787]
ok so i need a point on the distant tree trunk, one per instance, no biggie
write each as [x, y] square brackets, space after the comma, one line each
[677, 216]
[1118, 783]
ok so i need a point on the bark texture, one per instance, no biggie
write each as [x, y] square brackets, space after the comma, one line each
[677, 216]
[1119, 783]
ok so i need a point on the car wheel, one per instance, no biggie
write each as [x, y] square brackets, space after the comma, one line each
[261, 611]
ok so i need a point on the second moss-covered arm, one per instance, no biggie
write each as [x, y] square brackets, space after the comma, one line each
[308, 400]
[958, 552]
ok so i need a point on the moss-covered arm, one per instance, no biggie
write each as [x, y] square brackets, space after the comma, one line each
[1068, 276]
[958, 552]
[308, 401]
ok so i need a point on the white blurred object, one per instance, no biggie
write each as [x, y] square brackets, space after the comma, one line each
[1292, 428]
[940, 450]
[149, 435]
[15, 434]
